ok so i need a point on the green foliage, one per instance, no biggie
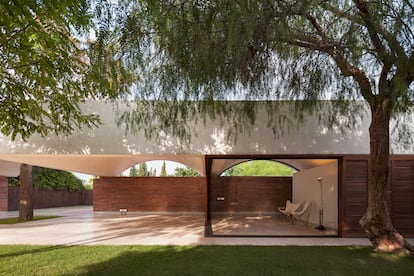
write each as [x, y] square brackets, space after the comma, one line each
[185, 172]
[259, 168]
[48, 66]
[265, 50]
[88, 186]
[133, 171]
[163, 170]
[13, 181]
[142, 170]
[51, 179]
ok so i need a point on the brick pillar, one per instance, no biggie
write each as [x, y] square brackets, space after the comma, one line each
[4, 194]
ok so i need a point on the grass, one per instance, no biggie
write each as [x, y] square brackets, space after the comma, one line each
[199, 260]
[16, 220]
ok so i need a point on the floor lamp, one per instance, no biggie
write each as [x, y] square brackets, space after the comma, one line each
[320, 227]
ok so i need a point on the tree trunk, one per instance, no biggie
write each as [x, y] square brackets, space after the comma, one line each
[26, 193]
[377, 222]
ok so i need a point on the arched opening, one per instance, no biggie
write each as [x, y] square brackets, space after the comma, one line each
[244, 195]
[160, 168]
[259, 168]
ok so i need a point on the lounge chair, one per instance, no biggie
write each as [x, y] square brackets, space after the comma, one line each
[302, 213]
[289, 209]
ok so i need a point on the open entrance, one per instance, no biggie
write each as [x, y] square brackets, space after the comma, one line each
[242, 204]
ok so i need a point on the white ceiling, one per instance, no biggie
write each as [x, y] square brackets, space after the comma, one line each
[114, 165]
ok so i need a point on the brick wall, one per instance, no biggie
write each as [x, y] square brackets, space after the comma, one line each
[4, 193]
[150, 194]
[249, 194]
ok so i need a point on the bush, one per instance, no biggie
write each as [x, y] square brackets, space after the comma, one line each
[51, 179]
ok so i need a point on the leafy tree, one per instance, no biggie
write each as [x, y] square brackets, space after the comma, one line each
[133, 171]
[142, 170]
[51, 179]
[13, 181]
[163, 170]
[233, 171]
[153, 172]
[296, 50]
[185, 172]
[48, 68]
[259, 168]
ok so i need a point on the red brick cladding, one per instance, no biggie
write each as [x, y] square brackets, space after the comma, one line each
[4, 194]
[150, 194]
[249, 194]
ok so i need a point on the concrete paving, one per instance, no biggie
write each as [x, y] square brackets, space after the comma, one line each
[80, 225]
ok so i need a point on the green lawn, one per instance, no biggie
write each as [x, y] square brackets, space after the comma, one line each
[199, 260]
[16, 220]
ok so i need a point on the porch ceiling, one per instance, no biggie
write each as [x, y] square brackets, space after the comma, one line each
[99, 165]
[220, 165]
[114, 165]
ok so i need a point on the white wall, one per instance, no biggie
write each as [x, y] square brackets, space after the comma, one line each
[305, 186]
[309, 137]
[107, 150]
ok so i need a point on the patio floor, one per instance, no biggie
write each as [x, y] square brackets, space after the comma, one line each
[80, 225]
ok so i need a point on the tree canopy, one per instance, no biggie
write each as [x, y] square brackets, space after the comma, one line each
[133, 171]
[307, 50]
[51, 179]
[277, 50]
[50, 64]
[259, 168]
[185, 172]
[163, 169]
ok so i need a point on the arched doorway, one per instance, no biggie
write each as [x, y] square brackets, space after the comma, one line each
[246, 205]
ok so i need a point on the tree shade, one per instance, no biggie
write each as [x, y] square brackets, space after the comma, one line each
[290, 50]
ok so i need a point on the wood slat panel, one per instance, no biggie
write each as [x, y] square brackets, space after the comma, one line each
[402, 199]
[354, 195]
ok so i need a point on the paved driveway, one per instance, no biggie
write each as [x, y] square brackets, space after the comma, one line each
[80, 225]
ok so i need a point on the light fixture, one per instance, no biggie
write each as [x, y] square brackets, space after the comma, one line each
[321, 227]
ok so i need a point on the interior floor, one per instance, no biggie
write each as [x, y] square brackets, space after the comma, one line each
[263, 225]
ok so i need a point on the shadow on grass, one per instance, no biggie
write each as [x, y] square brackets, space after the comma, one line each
[251, 260]
[32, 250]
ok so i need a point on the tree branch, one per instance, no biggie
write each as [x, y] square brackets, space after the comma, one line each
[347, 69]
[410, 69]
[316, 25]
[342, 14]
[374, 30]
[383, 81]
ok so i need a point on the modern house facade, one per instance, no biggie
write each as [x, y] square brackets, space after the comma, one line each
[339, 157]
